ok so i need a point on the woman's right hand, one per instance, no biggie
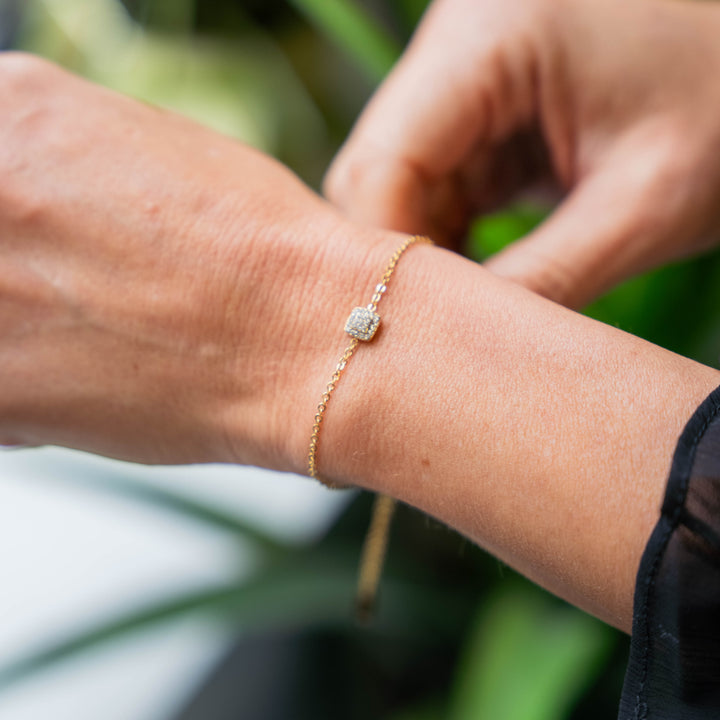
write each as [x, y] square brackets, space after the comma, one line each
[617, 102]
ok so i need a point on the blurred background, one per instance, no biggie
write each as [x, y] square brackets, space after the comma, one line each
[140, 593]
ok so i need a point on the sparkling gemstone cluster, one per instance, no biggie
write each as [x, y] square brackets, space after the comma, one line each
[362, 323]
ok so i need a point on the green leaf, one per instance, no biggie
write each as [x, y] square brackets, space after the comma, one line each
[411, 11]
[175, 16]
[174, 502]
[314, 586]
[276, 596]
[491, 233]
[355, 31]
[528, 659]
[429, 710]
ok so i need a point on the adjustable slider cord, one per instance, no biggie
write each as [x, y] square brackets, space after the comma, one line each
[372, 558]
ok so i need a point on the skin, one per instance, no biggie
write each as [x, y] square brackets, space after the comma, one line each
[168, 295]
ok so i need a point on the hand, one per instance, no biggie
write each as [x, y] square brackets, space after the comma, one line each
[616, 102]
[158, 282]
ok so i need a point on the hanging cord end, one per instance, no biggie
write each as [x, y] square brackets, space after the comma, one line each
[373, 558]
[364, 610]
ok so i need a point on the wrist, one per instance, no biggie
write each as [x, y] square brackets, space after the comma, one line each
[394, 392]
[361, 328]
[304, 287]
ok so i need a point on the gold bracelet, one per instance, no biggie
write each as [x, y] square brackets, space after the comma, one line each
[362, 326]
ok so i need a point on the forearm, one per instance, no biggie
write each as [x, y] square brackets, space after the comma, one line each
[542, 435]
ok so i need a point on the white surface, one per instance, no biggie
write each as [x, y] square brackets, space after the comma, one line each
[143, 678]
[71, 554]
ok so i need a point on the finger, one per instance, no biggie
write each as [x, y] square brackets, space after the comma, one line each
[608, 229]
[387, 191]
[461, 84]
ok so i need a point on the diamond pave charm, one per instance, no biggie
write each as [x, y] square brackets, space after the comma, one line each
[362, 323]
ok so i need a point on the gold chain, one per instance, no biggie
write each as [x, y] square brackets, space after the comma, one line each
[349, 350]
[320, 413]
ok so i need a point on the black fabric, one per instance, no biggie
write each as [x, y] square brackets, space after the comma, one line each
[674, 668]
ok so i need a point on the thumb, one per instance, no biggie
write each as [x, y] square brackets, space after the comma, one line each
[605, 231]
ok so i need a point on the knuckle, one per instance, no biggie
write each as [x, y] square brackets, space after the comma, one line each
[380, 188]
[21, 71]
[539, 270]
[22, 212]
[552, 277]
[361, 169]
[355, 176]
[340, 178]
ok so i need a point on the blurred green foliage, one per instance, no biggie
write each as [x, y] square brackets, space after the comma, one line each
[457, 636]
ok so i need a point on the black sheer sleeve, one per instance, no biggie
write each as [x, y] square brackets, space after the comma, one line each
[674, 668]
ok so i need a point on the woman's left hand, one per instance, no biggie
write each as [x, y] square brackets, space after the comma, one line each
[158, 282]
